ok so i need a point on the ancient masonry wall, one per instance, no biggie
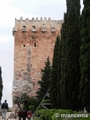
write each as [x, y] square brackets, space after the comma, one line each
[33, 42]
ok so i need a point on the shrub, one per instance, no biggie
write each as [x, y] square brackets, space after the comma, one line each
[55, 114]
[32, 108]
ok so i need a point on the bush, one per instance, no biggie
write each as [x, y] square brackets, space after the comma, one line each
[45, 114]
[32, 108]
[55, 114]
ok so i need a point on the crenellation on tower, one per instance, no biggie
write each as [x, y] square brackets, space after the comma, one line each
[49, 18]
[36, 25]
[21, 18]
[34, 42]
[41, 18]
[36, 18]
[33, 18]
[45, 18]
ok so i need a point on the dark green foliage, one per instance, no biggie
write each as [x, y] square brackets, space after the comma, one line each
[26, 101]
[85, 56]
[54, 74]
[32, 108]
[61, 114]
[70, 68]
[34, 101]
[23, 99]
[45, 114]
[59, 104]
[45, 80]
[1, 84]
[73, 53]
[64, 35]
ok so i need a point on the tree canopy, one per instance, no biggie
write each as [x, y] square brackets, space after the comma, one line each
[44, 83]
[85, 56]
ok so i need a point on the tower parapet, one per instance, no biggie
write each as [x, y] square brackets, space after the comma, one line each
[27, 24]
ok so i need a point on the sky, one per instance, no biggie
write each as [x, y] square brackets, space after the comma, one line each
[9, 10]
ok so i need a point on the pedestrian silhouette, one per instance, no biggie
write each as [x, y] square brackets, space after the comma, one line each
[4, 107]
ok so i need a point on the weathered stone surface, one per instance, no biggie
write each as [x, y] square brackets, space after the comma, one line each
[34, 42]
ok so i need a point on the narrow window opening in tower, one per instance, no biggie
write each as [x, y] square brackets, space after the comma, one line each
[33, 29]
[33, 37]
[24, 29]
[43, 28]
[53, 30]
[24, 26]
[34, 44]
[23, 45]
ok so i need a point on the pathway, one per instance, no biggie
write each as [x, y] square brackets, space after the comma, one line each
[10, 116]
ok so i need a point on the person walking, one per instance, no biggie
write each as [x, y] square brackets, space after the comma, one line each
[29, 115]
[4, 107]
[20, 114]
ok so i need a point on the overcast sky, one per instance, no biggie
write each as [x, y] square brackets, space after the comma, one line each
[9, 10]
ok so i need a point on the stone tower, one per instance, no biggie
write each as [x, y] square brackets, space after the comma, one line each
[33, 42]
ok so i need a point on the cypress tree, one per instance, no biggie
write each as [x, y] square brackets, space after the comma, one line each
[54, 74]
[73, 54]
[1, 85]
[70, 75]
[44, 83]
[59, 104]
[63, 77]
[85, 56]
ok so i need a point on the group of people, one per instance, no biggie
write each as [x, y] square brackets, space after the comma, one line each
[20, 114]
[24, 114]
